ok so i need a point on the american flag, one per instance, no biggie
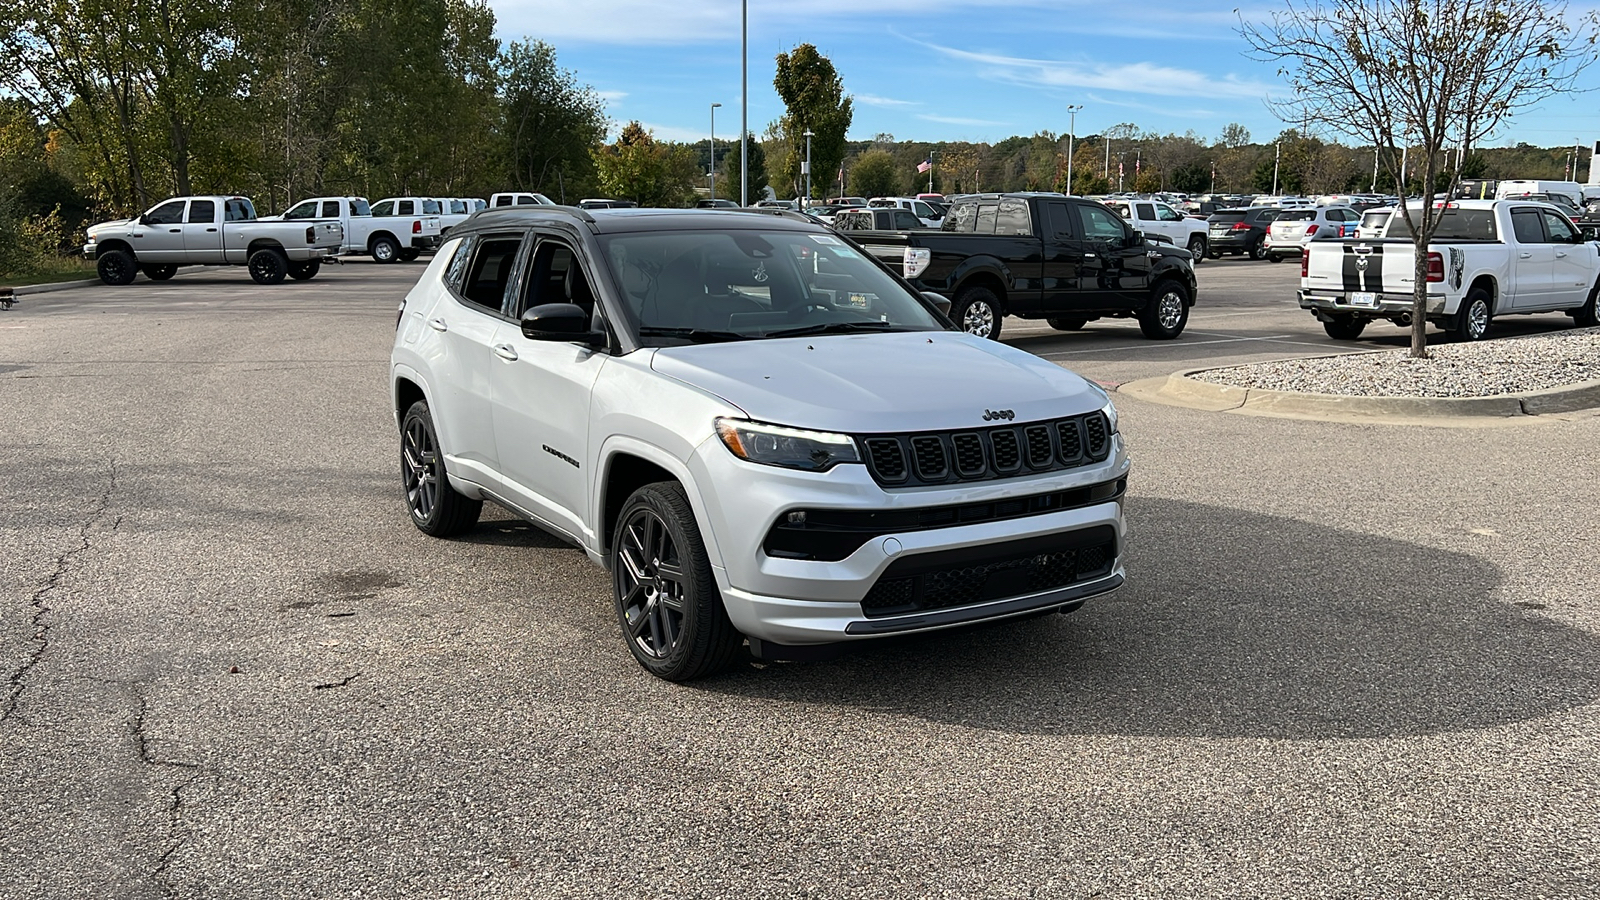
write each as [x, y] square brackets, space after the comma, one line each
[925, 165]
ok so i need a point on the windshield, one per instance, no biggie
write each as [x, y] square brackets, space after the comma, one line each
[690, 286]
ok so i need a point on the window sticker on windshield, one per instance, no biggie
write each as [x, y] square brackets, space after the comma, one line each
[845, 252]
[827, 240]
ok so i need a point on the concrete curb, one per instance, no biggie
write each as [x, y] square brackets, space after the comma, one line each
[26, 289]
[1180, 389]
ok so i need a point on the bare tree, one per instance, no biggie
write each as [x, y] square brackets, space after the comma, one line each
[1437, 76]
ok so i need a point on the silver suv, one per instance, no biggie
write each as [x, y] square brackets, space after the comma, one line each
[1294, 228]
[762, 432]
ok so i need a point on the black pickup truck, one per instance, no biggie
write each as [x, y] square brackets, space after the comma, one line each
[1042, 256]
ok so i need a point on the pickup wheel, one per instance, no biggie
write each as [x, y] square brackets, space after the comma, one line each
[1067, 324]
[436, 507]
[1587, 316]
[385, 249]
[1197, 247]
[977, 311]
[408, 254]
[268, 266]
[305, 271]
[1344, 328]
[667, 601]
[1258, 249]
[159, 273]
[116, 267]
[1163, 318]
[1472, 319]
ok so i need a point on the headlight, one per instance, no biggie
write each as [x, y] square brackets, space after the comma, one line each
[791, 448]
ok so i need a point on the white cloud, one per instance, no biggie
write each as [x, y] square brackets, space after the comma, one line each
[886, 102]
[1128, 78]
[957, 120]
[612, 96]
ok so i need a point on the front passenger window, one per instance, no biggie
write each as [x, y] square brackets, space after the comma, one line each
[555, 276]
[1561, 230]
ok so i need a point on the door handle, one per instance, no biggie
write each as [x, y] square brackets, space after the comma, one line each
[505, 352]
[1091, 256]
[438, 324]
[1524, 255]
[176, 230]
[211, 229]
[1561, 254]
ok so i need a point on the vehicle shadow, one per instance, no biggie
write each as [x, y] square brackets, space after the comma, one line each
[1235, 625]
[498, 528]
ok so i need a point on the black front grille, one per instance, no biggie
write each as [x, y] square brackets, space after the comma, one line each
[995, 572]
[888, 459]
[954, 457]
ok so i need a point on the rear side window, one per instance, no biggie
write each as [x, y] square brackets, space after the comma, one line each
[1559, 229]
[359, 207]
[1013, 218]
[330, 209]
[406, 208]
[986, 218]
[490, 271]
[1058, 218]
[1147, 211]
[202, 212]
[238, 210]
[963, 217]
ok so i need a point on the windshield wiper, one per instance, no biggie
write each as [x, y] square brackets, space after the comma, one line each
[833, 328]
[697, 335]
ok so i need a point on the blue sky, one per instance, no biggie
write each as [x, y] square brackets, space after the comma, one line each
[977, 70]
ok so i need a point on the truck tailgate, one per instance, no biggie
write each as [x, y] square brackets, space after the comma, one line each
[1349, 267]
[329, 235]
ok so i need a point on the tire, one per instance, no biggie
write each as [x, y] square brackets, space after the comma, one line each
[977, 311]
[385, 249]
[1164, 317]
[409, 253]
[667, 602]
[268, 266]
[1213, 254]
[116, 267]
[1257, 251]
[159, 273]
[436, 508]
[1197, 247]
[1473, 318]
[1274, 258]
[1067, 324]
[1587, 316]
[305, 271]
[1345, 328]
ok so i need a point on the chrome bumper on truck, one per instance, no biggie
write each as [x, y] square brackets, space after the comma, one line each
[1371, 303]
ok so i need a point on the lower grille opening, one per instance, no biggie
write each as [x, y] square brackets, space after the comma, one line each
[996, 572]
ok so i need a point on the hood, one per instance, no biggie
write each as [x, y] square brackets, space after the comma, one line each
[858, 384]
[111, 223]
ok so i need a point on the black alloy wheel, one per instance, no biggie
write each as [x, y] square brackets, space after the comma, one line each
[1587, 316]
[436, 507]
[667, 600]
[116, 267]
[408, 254]
[305, 271]
[268, 266]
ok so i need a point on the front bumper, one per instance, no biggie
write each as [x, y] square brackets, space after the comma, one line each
[792, 601]
[427, 242]
[91, 251]
[1226, 242]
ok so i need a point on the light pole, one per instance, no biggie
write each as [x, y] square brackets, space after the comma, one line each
[1277, 155]
[714, 150]
[930, 170]
[807, 198]
[744, 103]
[1072, 112]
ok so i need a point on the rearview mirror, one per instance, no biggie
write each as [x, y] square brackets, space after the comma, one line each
[560, 322]
[940, 302]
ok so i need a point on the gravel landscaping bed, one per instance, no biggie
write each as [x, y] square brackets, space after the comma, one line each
[1485, 369]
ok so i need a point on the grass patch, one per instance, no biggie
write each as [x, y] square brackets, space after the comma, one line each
[69, 270]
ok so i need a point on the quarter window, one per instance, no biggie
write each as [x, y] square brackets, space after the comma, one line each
[330, 209]
[459, 252]
[405, 208]
[1013, 218]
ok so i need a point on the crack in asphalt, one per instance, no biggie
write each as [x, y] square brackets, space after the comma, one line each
[41, 608]
[336, 684]
[178, 836]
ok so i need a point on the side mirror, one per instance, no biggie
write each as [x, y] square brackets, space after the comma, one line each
[144, 218]
[940, 302]
[1134, 239]
[560, 322]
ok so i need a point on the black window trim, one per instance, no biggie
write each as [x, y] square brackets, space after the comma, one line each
[477, 239]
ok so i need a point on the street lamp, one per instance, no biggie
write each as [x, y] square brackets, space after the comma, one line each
[714, 107]
[804, 200]
[1072, 111]
[744, 103]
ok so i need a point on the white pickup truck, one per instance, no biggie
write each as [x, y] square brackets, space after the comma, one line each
[417, 225]
[380, 231]
[209, 231]
[1489, 258]
[1158, 219]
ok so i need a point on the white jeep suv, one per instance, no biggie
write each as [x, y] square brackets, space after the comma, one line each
[760, 430]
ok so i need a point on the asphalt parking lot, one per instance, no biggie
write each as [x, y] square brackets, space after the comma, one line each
[1350, 660]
